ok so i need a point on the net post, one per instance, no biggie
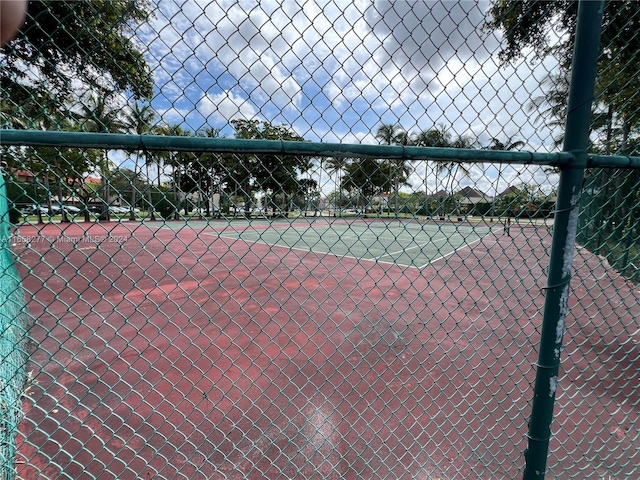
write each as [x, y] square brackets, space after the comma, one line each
[583, 73]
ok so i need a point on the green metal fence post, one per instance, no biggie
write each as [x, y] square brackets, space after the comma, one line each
[583, 73]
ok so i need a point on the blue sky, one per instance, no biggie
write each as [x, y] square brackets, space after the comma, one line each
[336, 70]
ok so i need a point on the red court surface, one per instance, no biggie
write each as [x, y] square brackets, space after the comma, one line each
[164, 354]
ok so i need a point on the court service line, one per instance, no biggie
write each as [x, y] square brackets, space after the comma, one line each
[450, 253]
[303, 250]
[348, 235]
[410, 248]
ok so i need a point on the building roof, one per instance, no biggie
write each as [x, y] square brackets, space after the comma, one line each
[472, 193]
[509, 191]
[439, 194]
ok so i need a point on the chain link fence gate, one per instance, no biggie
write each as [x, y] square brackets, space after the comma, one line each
[315, 240]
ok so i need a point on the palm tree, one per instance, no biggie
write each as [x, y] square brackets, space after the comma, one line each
[42, 110]
[452, 168]
[52, 115]
[99, 115]
[212, 170]
[320, 165]
[496, 144]
[33, 107]
[307, 186]
[11, 116]
[158, 158]
[140, 121]
[337, 165]
[174, 159]
[508, 144]
[387, 133]
[438, 136]
[390, 134]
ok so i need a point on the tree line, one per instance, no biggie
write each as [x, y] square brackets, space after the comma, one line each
[170, 176]
[162, 181]
[360, 179]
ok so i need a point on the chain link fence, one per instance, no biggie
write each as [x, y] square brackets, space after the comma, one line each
[320, 240]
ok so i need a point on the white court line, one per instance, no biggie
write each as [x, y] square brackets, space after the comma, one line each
[375, 260]
[303, 250]
[450, 253]
[411, 248]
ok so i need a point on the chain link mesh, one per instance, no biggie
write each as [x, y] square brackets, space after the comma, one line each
[199, 307]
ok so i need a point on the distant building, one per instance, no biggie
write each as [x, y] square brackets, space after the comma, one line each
[509, 191]
[23, 176]
[439, 195]
[470, 196]
[27, 177]
[467, 196]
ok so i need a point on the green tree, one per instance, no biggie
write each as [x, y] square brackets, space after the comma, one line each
[59, 167]
[389, 133]
[521, 200]
[90, 41]
[203, 173]
[308, 196]
[177, 161]
[508, 144]
[394, 134]
[11, 116]
[497, 144]
[439, 137]
[125, 181]
[364, 178]
[275, 175]
[616, 111]
[61, 170]
[338, 199]
[525, 25]
[214, 172]
[450, 169]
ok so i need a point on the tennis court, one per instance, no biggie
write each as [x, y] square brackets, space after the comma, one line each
[244, 349]
[401, 242]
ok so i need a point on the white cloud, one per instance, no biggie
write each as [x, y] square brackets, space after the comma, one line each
[219, 108]
[173, 116]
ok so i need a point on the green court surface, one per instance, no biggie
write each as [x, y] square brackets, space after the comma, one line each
[401, 243]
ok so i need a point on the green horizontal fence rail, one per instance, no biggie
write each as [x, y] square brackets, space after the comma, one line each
[343, 241]
[220, 145]
[239, 146]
